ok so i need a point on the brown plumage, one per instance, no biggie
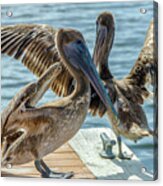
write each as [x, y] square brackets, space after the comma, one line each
[29, 132]
[130, 92]
[35, 46]
[38, 59]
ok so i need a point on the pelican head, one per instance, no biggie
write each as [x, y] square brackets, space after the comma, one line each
[104, 41]
[77, 59]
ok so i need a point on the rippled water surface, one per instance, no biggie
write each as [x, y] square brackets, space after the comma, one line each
[131, 28]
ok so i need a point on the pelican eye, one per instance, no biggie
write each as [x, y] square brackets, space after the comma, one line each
[80, 46]
[79, 42]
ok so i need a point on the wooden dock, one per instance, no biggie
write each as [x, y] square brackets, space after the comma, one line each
[62, 160]
[81, 155]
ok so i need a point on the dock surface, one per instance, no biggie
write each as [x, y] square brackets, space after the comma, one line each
[88, 145]
[81, 155]
[62, 160]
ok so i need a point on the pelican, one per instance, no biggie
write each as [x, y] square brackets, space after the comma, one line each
[30, 132]
[128, 93]
[35, 46]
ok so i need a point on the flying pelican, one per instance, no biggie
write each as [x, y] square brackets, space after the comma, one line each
[130, 92]
[29, 132]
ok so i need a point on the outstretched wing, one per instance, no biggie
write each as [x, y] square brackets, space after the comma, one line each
[130, 112]
[143, 72]
[146, 64]
[148, 54]
[34, 46]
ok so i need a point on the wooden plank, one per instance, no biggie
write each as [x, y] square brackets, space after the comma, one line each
[82, 157]
[87, 144]
[63, 160]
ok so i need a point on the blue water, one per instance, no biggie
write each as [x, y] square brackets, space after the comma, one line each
[131, 28]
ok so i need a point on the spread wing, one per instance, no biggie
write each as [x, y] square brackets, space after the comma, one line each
[34, 46]
[134, 85]
[144, 72]
[146, 64]
[130, 112]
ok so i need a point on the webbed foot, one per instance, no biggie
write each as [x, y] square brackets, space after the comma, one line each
[125, 156]
[121, 155]
[46, 172]
[57, 175]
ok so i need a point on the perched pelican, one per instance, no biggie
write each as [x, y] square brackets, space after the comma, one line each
[29, 132]
[130, 92]
[35, 46]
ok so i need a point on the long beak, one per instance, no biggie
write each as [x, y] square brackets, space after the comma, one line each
[80, 58]
[91, 73]
[100, 40]
[102, 34]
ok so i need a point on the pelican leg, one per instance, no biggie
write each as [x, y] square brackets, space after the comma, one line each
[121, 155]
[40, 169]
[46, 172]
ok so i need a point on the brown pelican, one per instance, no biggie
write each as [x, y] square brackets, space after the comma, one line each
[130, 92]
[29, 132]
[35, 46]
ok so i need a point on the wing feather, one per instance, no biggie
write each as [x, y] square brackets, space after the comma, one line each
[34, 45]
[133, 87]
[147, 58]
